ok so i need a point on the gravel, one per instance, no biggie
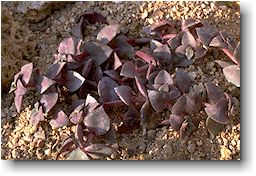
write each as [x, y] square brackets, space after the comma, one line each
[20, 140]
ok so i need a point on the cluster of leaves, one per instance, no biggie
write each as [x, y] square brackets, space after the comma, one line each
[109, 72]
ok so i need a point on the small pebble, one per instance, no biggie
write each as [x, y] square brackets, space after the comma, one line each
[191, 147]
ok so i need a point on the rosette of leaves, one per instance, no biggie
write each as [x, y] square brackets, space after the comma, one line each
[110, 71]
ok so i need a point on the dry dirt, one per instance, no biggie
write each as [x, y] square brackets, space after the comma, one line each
[20, 141]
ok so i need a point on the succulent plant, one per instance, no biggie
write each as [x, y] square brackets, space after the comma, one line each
[109, 72]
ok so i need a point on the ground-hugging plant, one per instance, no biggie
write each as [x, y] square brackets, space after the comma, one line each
[93, 77]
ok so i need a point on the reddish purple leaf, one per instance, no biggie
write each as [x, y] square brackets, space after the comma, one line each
[59, 120]
[213, 127]
[186, 23]
[186, 129]
[74, 80]
[188, 39]
[99, 151]
[113, 74]
[146, 57]
[206, 34]
[145, 113]
[92, 17]
[77, 30]
[182, 80]
[98, 52]
[97, 121]
[163, 77]
[67, 46]
[19, 92]
[26, 72]
[175, 41]
[229, 39]
[176, 122]
[43, 83]
[107, 33]
[90, 103]
[140, 83]
[200, 52]
[87, 68]
[232, 74]
[77, 114]
[236, 53]
[106, 89]
[48, 100]
[174, 92]
[123, 49]
[218, 112]
[117, 62]
[214, 92]
[54, 70]
[125, 94]
[158, 100]
[37, 115]
[128, 70]
[163, 54]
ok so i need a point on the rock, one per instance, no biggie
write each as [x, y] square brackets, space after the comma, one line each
[225, 153]
[151, 133]
[40, 134]
[191, 148]
[47, 152]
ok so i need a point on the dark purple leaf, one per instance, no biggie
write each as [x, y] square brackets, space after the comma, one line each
[43, 83]
[99, 151]
[123, 49]
[145, 113]
[140, 83]
[128, 70]
[200, 52]
[163, 77]
[91, 103]
[117, 62]
[77, 154]
[182, 61]
[213, 127]
[59, 120]
[87, 68]
[186, 23]
[236, 53]
[77, 103]
[97, 121]
[181, 50]
[146, 57]
[97, 74]
[214, 93]
[77, 114]
[188, 39]
[77, 30]
[139, 41]
[176, 122]
[72, 64]
[107, 33]
[175, 41]
[125, 94]
[218, 42]
[98, 52]
[54, 70]
[232, 74]
[222, 64]
[219, 111]
[174, 92]
[154, 44]
[67, 46]
[186, 129]
[92, 17]
[74, 80]
[163, 54]
[37, 115]
[158, 100]
[206, 34]
[113, 74]
[48, 100]
[229, 39]
[67, 145]
[182, 80]
[79, 134]
[106, 89]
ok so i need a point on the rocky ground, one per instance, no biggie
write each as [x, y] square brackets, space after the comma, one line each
[20, 141]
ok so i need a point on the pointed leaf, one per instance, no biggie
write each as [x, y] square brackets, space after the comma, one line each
[163, 54]
[48, 100]
[74, 80]
[91, 103]
[97, 121]
[206, 34]
[43, 83]
[145, 113]
[232, 74]
[125, 94]
[107, 33]
[87, 67]
[67, 46]
[92, 17]
[163, 77]
[236, 53]
[214, 93]
[176, 122]
[106, 89]
[77, 114]
[59, 120]
[164, 88]
[175, 41]
[113, 74]
[19, 92]
[186, 23]
[182, 80]
[174, 92]
[218, 112]
[213, 127]
[223, 64]
[146, 57]
[99, 151]
[123, 49]
[181, 50]
[76, 30]
[26, 72]
[158, 100]
[186, 129]
[218, 42]
[188, 39]
[140, 83]
[54, 70]
[98, 52]
[128, 70]
[79, 135]
[77, 154]
[37, 116]
[117, 62]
